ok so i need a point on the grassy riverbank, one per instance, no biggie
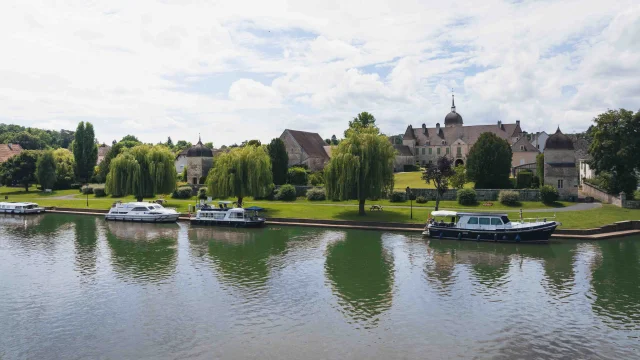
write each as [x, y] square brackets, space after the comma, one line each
[345, 210]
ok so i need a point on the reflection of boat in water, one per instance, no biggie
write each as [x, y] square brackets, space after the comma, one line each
[230, 236]
[224, 216]
[19, 220]
[141, 212]
[20, 208]
[488, 227]
[143, 231]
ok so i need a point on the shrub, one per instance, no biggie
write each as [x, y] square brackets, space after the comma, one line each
[535, 182]
[271, 194]
[286, 192]
[512, 182]
[202, 193]
[548, 194]
[524, 179]
[183, 192]
[398, 196]
[87, 190]
[509, 198]
[76, 186]
[99, 192]
[421, 200]
[316, 194]
[316, 179]
[297, 176]
[411, 167]
[467, 197]
[636, 195]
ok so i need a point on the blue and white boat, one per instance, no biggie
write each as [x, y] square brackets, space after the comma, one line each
[226, 216]
[488, 227]
[141, 212]
[20, 208]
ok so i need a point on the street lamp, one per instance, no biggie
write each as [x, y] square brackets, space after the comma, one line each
[87, 192]
[410, 200]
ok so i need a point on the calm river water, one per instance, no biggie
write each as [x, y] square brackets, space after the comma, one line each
[75, 287]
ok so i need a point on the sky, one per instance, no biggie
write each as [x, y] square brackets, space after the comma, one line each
[240, 70]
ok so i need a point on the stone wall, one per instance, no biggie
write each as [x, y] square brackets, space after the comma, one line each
[296, 155]
[482, 194]
[198, 167]
[602, 196]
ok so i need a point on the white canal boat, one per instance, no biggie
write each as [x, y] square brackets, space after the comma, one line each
[141, 212]
[20, 208]
[225, 216]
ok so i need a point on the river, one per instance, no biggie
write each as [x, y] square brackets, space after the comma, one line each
[76, 287]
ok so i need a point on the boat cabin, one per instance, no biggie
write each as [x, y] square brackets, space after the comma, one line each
[470, 220]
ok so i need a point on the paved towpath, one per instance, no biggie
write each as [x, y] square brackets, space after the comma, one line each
[576, 207]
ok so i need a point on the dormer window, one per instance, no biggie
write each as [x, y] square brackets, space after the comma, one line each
[444, 142]
[522, 147]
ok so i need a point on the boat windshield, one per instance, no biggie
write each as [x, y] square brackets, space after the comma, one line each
[505, 219]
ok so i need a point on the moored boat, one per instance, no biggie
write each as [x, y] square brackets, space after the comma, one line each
[488, 227]
[224, 216]
[20, 208]
[141, 212]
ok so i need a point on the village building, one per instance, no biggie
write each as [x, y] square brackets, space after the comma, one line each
[560, 170]
[305, 148]
[454, 139]
[199, 162]
[9, 150]
[102, 152]
[181, 161]
[523, 152]
[538, 140]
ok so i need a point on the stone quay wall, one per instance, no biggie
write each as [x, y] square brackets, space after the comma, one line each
[602, 196]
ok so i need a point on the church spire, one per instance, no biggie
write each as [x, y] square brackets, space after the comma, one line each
[199, 139]
[453, 103]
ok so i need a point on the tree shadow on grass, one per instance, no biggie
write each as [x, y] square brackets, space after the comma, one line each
[374, 216]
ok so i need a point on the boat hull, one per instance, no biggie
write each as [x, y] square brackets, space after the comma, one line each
[536, 234]
[143, 218]
[22, 211]
[227, 223]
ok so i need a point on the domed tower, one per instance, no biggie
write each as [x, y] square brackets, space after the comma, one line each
[199, 162]
[453, 118]
[560, 169]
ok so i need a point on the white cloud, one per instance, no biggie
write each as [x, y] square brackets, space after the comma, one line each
[139, 66]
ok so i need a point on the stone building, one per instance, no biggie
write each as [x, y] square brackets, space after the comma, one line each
[403, 157]
[539, 139]
[523, 152]
[454, 139]
[305, 148]
[560, 168]
[181, 161]
[199, 162]
[102, 152]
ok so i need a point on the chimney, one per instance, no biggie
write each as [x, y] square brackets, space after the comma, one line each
[500, 124]
[518, 122]
[9, 146]
[424, 128]
[438, 128]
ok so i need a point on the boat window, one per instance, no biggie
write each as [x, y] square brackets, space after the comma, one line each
[151, 208]
[473, 221]
[496, 221]
[485, 221]
[139, 209]
[505, 219]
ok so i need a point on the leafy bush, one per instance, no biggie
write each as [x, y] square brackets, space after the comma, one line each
[183, 192]
[286, 192]
[202, 193]
[99, 192]
[535, 182]
[398, 196]
[76, 186]
[467, 197]
[548, 194]
[270, 195]
[509, 198]
[316, 194]
[86, 190]
[421, 200]
[297, 176]
[524, 179]
[636, 195]
[411, 167]
[316, 179]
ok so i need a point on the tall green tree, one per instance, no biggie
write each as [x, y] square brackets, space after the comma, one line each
[241, 172]
[65, 165]
[361, 167]
[142, 171]
[540, 168]
[169, 143]
[46, 170]
[19, 169]
[489, 162]
[85, 151]
[439, 174]
[362, 121]
[116, 149]
[615, 148]
[459, 177]
[279, 160]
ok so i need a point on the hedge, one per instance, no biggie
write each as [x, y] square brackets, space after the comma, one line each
[398, 196]
[286, 192]
[183, 192]
[316, 194]
[524, 179]
[467, 197]
[509, 198]
[421, 200]
[297, 176]
[548, 194]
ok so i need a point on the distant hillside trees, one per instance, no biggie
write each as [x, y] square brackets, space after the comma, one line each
[35, 139]
[19, 169]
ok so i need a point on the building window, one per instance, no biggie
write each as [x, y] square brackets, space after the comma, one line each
[447, 151]
[522, 147]
[560, 184]
[422, 151]
[438, 151]
[443, 142]
[459, 151]
[430, 151]
[538, 146]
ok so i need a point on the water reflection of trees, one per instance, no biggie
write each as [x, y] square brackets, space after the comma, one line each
[145, 252]
[360, 272]
[85, 243]
[241, 257]
[615, 283]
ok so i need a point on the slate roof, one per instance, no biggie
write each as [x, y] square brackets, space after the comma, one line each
[528, 147]
[310, 142]
[403, 150]
[9, 150]
[103, 150]
[559, 141]
[469, 134]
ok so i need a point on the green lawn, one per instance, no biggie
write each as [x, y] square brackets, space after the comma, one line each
[413, 180]
[345, 210]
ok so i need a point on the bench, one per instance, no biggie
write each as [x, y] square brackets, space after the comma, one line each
[376, 207]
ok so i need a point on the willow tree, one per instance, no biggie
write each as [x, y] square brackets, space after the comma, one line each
[243, 171]
[142, 171]
[361, 167]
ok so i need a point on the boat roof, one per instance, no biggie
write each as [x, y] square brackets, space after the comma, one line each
[236, 210]
[225, 202]
[17, 203]
[137, 203]
[482, 214]
[443, 213]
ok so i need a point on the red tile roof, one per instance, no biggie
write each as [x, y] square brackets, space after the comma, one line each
[9, 150]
